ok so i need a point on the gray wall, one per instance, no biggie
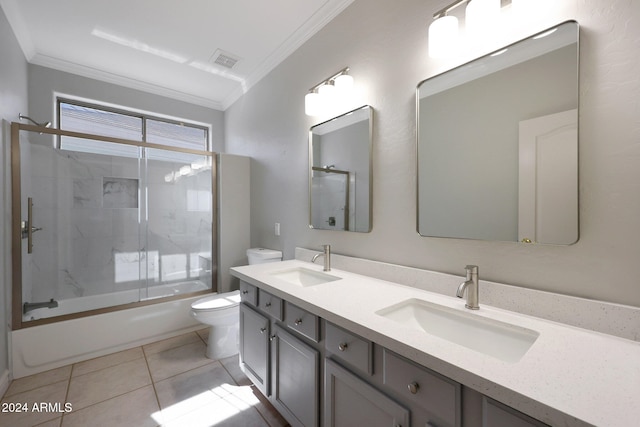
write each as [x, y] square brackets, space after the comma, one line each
[44, 82]
[385, 44]
[13, 101]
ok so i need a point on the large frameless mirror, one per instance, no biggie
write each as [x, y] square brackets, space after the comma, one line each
[497, 144]
[340, 172]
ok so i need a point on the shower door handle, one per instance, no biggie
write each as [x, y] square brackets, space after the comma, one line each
[27, 228]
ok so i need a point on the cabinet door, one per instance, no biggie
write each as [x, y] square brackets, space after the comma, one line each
[349, 402]
[495, 414]
[295, 379]
[254, 347]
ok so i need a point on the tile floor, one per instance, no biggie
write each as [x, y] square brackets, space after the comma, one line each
[168, 383]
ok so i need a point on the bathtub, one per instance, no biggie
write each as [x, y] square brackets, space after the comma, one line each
[80, 304]
[41, 348]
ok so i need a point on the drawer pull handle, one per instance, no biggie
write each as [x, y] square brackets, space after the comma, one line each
[268, 304]
[342, 346]
[413, 387]
[297, 322]
[245, 292]
[263, 330]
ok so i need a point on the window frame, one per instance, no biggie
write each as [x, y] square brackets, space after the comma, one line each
[139, 114]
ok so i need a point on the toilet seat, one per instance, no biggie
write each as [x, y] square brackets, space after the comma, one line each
[217, 302]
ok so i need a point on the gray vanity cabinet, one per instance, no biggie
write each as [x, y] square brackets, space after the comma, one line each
[496, 414]
[316, 373]
[295, 372]
[254, 347]
[433, 399]
[277, 356]
[349, 401]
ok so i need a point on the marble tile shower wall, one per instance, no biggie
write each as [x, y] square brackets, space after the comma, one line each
[106, 227]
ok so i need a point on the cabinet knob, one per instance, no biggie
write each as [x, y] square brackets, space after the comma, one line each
[297, 322]
[245, 292]
[268, 304]
[263, 330]
[413, 387]
[272, 337]
[342, 346]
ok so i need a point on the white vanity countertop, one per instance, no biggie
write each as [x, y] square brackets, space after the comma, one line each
[569, 376]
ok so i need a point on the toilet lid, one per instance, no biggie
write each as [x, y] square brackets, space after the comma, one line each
[217, 301]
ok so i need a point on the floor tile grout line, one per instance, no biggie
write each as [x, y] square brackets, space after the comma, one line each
[106, 400]
[108, 367]
[66, 395]
[153, 383]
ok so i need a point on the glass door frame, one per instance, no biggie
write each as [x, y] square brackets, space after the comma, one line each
[16, 224]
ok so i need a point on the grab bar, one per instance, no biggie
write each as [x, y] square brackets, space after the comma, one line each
[27, 229]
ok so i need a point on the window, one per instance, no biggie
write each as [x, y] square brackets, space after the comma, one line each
[98, 120]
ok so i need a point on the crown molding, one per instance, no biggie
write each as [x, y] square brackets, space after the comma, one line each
[104, 76]
[317, 21]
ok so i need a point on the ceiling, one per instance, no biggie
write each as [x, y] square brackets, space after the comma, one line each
[168, 47]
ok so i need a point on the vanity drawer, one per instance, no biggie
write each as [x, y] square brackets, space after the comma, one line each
[438, 395]
[349, 348]
[270, 304]
[248, 293]
[302, 321]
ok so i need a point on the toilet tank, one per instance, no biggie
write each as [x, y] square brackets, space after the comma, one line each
[262, 255]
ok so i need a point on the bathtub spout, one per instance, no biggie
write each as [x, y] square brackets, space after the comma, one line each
[28, 306]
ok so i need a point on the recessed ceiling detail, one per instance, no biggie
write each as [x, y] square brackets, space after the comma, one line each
[164, 47]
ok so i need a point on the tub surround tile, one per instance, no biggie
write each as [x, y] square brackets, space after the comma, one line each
[94, 387]
[38, 380]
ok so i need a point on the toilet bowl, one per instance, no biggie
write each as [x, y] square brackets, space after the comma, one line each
[221, 313]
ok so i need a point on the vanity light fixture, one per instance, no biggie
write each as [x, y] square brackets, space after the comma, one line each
[480, 16]
[325, 94]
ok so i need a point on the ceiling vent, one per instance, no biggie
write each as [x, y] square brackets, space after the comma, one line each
[224, 59]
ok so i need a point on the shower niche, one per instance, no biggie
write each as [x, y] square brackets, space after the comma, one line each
[102, 223]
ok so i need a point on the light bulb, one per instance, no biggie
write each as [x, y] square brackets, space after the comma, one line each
[344, 83]
[312, 105]
[443, 37]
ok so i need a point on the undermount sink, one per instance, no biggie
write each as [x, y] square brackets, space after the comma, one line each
[304, 276]
[491, 337]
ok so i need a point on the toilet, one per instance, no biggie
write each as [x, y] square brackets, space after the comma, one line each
[221, 312]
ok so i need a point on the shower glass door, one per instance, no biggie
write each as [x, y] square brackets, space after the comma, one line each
[178, 223]
[101, 223]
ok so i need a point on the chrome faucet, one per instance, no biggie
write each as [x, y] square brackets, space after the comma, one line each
[327, 257]
[472, 284]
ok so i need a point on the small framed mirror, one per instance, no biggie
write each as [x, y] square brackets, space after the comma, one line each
[340, 172]
[497, 144]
